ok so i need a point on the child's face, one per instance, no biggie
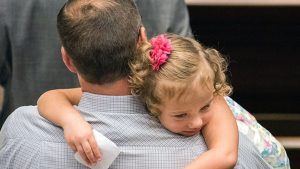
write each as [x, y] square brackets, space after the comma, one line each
[187, 116]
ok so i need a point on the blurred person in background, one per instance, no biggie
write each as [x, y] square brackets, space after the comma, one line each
[161, 16]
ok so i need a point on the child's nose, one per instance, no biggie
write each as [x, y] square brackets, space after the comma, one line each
[196, 123]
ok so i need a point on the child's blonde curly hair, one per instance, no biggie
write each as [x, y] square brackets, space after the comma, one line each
[188, 66]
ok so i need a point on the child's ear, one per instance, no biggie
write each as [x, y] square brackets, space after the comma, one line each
[67, 60]
[142, 36]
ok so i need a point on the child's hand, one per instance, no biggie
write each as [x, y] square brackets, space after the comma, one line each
[79, 136]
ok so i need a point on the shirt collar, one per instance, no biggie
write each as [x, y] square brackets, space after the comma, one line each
[112, 104]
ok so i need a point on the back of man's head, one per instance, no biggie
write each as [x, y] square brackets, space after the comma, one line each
[100, 36]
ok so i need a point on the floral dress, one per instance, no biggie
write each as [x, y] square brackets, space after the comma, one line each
[270, 148]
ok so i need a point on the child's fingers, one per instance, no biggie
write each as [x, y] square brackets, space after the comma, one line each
[73, 147]
[82, 153]
[88, 151]
[95, 148]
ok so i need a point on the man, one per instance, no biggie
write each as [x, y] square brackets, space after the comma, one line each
[30, 24]
[99, 38]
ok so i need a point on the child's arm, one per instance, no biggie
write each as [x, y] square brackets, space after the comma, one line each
[57, 106]
[221, 136]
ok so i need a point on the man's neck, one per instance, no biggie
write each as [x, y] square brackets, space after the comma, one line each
[118, 88]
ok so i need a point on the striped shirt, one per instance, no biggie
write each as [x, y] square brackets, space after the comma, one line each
[27, 140]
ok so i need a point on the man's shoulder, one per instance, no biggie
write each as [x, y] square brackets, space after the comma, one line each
[30, 141]
[21, 114]
[26, 122]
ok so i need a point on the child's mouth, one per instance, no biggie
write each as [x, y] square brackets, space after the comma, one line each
[191, 133]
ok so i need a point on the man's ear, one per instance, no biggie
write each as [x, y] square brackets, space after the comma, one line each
[142, 36]
[67, 60]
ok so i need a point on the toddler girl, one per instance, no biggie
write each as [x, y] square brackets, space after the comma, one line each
[181, 83]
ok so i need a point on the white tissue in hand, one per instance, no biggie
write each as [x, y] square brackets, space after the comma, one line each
[109, 152]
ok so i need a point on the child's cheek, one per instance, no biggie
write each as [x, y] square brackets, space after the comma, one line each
[207, 118]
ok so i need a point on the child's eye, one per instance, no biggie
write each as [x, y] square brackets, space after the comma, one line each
[205, 108]
[180, 115]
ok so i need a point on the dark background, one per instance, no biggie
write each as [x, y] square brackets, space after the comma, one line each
[262, 45]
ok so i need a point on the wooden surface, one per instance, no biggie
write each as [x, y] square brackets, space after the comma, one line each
[262, 46]
[290, 142]
[244, 2]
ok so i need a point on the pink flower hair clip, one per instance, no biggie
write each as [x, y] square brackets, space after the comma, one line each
[161, 50]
